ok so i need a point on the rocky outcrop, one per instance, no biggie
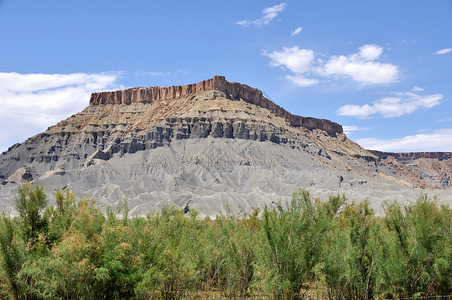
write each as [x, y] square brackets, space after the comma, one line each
[102, 142]
[425, 169]
[20, 175]
[413, 155]
[233, 90]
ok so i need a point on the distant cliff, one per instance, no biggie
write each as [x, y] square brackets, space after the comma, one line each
[413, 155]
[232, 89]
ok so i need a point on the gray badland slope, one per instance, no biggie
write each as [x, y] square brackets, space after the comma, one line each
[215, 145]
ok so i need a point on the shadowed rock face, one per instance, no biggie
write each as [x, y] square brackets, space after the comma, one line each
[233, 90]
[220, 145]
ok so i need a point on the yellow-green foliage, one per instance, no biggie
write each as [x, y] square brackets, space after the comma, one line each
[302, 248]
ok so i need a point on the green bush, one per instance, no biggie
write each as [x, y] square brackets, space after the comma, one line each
[415, 256]
[300, 249]
[294, 237]
[347, 268]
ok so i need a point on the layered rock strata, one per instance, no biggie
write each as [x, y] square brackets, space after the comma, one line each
[425, 169]
[413, 155]
[233, 90]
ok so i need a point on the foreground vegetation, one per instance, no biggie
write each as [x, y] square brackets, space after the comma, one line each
[305, 248]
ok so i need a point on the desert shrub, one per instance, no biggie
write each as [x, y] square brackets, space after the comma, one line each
[294, 236]
[61, 216]
[11, 258]
[73, 250]
[67, 272]
[347, 269]
[241, 249]
[211, 257]
[30, 203]
[69, 267]
[169, 264]
[416, 256]
[237, 256]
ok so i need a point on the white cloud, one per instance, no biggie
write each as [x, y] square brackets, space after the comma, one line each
[362, 66]
[443, 51]
[417, 89]
[447, 119]
[32, 102]
[295, 59]
[159, 74]
[296, 31]
[301, 81]
[350, 129]
[396, 106]
[439, 140]
[368, 52]
[269, 14]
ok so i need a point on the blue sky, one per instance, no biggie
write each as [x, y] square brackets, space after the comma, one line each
[382, 69]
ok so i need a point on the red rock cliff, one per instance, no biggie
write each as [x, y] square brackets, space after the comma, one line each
[233, 89]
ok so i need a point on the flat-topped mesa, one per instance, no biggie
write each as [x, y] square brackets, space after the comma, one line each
[413, 155]
[234, 90]
[152, 94]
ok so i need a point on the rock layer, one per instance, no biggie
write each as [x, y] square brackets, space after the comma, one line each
[413, 155]
[233, 90]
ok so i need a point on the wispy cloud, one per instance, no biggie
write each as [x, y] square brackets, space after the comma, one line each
[159, 74]
[443, 51]
[269, 14]
[301, 81]
[362, 66]
[296, 31]
[447, 119]
[439, 140]
[417, 89]
[350, 129]
[32, 102]
[395, 106]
